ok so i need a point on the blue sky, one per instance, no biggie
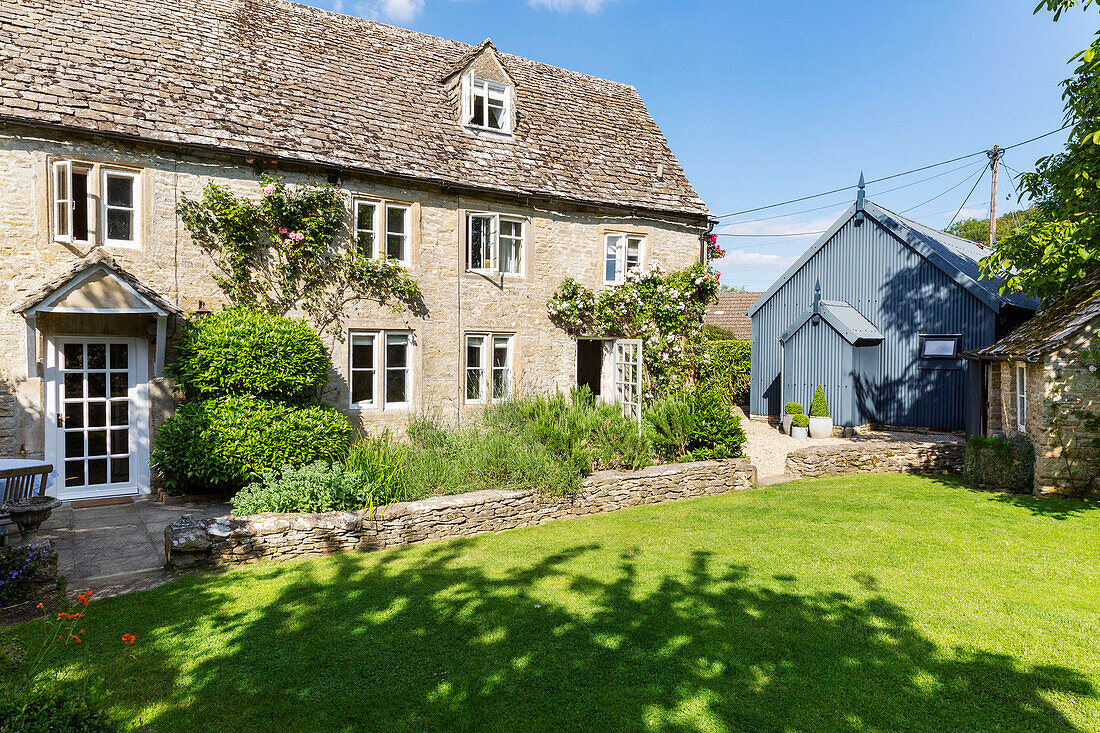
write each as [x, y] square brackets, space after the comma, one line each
[767, 101]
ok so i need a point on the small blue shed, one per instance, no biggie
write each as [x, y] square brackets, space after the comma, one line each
[879, 311]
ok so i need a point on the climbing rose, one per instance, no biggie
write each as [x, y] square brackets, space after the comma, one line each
[269, 189]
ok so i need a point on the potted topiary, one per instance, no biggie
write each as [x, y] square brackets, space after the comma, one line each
[799, 426]
[789, 411]
[821, 424]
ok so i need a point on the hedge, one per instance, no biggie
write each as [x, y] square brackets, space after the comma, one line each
[1006, 464]
[222, 444]
[248, 352]
[725, 371]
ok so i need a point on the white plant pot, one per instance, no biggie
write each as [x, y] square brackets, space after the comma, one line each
[800, 433]
[786, 424]
[821, 427]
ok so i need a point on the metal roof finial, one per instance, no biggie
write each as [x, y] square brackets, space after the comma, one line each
[861, 195]
[817, 302]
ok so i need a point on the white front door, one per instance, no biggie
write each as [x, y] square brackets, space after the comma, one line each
[627, 368]
[97, 415]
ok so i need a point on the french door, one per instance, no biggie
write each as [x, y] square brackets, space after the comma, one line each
[627, 365]
[97, 416]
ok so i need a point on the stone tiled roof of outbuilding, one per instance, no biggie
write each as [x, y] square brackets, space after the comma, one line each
[273, 78]
[1052, 327]
[729, 313]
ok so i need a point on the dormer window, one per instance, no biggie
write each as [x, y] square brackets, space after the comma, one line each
[488, 105]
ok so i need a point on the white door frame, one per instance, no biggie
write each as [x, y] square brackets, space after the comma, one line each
[138, 397]
[628, 388]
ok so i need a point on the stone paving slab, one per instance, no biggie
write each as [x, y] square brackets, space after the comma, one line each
[118, 548]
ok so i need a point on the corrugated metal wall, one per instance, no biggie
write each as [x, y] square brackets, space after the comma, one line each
[819, 355]
[904, 295]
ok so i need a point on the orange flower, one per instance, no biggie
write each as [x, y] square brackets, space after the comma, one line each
[75, 615]
[38, 607]
[128, 639]
[83, 597]
[74, 636]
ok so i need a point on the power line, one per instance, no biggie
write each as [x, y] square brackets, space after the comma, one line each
[976, 182]
[887, 178]
[944, 193]
[788, 234]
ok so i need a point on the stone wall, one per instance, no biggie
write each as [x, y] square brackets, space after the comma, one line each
[234, 540]
[939, 456]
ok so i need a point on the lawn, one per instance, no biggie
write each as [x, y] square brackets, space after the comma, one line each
[865, 604]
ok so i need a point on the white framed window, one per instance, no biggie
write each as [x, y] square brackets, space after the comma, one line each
[1021, 397]
[939, 347]
[397, 232]
[380, 369]
[487, 104]
[120, 197]
[365, 227]
[622, 254]
[495, 243]
[69, 205]
[488, 367]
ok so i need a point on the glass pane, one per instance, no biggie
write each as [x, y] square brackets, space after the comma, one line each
[362, 352]
[62, 183]
[74, 473]
[500, 352]
[74, 444]
[397, 348]
[395, 385]
[364, 214]
[74, 356]
[120, 356]
[119, 384]
[97, 414]
[364, 241]
[120, 191]
[509, 259]
[395, 219]
[97, 442]
[395, 246]
[496, 115]
[97, 356]
[633, 253]
[500, 383]
[939, 347]
[473, 384]
[479, 241]
[97, 471]
[119, 412]
[120, 470]
[120, 442]
[478, 117]
[61, 213]
[74, 414]
[120, 225]
[74, 386]
[97, 384]
[609, 269]
[362, 386]
[80, 205]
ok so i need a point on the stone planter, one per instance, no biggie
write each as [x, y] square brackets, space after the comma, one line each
[800, 433]
[29, 513]
[785, 423]
[821, 427]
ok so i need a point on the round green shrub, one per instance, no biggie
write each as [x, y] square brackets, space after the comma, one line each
[819, 407]
[800, 421]
[222, 444]
[792, 408]
[1004, 464]
[249, 352]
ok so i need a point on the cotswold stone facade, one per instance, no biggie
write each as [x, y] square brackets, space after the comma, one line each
[1044, 383]
[240, 540]
[96, 155]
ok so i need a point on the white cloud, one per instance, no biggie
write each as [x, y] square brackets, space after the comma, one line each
[755, 261]
[403, 11]
[589, 6]
[783, 225]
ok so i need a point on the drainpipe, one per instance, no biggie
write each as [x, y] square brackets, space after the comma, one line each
[704, 241]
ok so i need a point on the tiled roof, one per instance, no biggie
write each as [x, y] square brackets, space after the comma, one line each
[729, 313]
[97, 258]
[273, 78]
[1052, 327]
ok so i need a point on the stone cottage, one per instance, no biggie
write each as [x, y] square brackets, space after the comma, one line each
[1046, 375]
[490, 177]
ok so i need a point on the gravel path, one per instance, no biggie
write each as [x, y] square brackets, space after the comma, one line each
[767, 448]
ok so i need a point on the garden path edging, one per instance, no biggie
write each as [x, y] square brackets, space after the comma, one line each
[191, 541]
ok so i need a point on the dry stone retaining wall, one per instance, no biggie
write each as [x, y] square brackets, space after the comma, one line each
[878, 456]
[236, 540]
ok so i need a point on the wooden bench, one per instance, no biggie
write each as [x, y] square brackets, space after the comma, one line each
[20, 483]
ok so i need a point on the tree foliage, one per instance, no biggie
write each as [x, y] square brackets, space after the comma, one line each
[1061, 244]
[977, 230]
[284, 253]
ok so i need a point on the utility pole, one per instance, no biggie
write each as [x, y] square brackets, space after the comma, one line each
[994, 158]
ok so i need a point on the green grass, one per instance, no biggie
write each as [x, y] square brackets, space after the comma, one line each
[876, 603]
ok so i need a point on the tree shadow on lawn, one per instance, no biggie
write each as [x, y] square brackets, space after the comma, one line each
[1055, 508]
[552, 645]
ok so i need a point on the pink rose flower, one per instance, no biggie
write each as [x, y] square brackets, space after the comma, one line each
[283, 230]
[269, 189]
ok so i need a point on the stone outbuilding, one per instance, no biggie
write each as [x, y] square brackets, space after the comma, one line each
[1044, 382]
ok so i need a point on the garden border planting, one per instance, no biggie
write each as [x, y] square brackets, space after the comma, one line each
[938, 456]
[190, 541]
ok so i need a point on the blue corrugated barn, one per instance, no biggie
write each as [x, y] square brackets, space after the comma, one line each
[879, 311]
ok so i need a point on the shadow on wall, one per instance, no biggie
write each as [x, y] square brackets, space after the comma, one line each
[442, 645]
